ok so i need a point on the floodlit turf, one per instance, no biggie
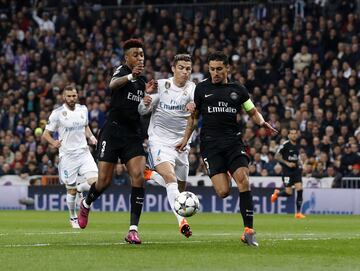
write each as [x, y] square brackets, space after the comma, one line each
[44, 241]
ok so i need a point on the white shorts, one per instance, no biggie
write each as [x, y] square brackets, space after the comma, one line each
[71, 166]
[180, 160]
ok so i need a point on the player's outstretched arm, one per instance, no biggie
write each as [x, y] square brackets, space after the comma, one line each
[47, 136]
[118, 82]
[250, 108]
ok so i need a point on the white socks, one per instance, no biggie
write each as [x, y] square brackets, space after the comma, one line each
[172, 191]
[133, 228]
[70, 201]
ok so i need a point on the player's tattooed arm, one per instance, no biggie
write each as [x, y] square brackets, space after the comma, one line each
[259, 120]
[279, 157]
[118, 82]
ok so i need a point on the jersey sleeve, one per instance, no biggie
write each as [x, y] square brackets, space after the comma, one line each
[281, 150]
[144, 110]
[198, 97]
[53, 122]
[244, 97]
[191, 92]
[119, 72]
[86, 112]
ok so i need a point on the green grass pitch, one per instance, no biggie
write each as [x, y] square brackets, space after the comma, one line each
[44, 241]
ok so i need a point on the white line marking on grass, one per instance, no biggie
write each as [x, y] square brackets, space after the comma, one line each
[3, 234]
[28, 245]
[106, 244]
[215, 234]
[52, 233]
[284, 237]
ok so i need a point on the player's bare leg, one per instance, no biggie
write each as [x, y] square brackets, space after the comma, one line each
[221, 184]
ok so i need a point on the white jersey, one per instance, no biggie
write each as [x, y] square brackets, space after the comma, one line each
[71, 128]
[169, 115]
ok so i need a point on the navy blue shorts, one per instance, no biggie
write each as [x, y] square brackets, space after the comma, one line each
[220, 158]
[116, 142]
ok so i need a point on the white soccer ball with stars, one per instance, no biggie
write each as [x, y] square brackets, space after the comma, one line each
[186, 204]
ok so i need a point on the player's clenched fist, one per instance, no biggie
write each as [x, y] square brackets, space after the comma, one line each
[138, 69]
[147, 100]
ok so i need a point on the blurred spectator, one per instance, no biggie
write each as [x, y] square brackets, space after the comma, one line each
[253, 171]
[29, 170]
[277, 170]
[121, 177]
[193, 164]
[332, 172]
[355, 171]
[270, 164]
[302, 59]
[319, 172]
[6, 170]
[44, 22]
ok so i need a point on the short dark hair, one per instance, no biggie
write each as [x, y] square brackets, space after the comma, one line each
[181, 57]
[218, 56]
[69, 87]
[133, 43]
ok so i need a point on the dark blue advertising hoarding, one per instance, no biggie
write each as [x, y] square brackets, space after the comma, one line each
[117, 198]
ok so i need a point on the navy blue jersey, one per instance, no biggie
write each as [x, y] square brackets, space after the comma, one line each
[289, 153]
[125, 100]
[219, 104]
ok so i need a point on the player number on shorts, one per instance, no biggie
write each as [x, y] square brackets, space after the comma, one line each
[207, 164]
[66, 174]
[286, 180]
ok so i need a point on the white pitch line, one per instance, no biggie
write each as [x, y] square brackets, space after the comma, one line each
[189, 242]
[27, 245]
[52, 233]
[79, 232]
[105, 244]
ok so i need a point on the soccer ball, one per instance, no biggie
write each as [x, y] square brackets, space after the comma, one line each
[186, 204]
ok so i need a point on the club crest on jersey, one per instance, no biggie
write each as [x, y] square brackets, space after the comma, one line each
[167, 85]
[185, 93]
[81, 116]
[158, 159]
[64, 113]
[234, 95]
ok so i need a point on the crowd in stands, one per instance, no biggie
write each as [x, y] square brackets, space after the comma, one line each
[301, 66]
